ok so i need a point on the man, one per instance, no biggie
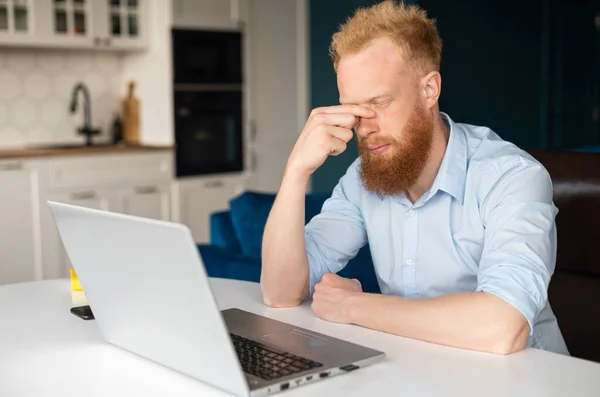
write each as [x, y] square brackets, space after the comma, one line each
[459, 222]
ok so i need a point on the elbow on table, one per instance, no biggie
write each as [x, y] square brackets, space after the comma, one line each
[280, 303]
[279, 300]
[510, 340]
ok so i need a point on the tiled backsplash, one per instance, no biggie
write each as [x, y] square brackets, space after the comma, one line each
[35, 94]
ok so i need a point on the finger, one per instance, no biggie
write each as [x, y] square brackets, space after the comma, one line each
[357, 110]
[318, 287]
[343, 134]
[344, 120]
[357, 283]
[329, 278]
[337, 147]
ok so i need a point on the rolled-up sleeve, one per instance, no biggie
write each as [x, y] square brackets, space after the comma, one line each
[335, 235]
[519, 252]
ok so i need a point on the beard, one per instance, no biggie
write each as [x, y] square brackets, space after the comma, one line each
[399, 168]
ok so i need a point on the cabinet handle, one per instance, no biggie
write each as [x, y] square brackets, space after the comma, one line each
[146, 190]
[17, 166]
[252, 131]
[89, 195]
[107, 41]
[97, 41]
[214, 184]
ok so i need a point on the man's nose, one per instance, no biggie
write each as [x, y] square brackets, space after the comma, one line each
[366, 127]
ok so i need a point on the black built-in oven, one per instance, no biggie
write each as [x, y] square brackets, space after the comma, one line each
[208, 99]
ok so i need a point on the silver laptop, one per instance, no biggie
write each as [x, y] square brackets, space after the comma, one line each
[147, 287]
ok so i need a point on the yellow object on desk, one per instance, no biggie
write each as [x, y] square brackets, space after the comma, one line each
[75, 284]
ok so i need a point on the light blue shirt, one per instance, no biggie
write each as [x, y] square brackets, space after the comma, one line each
[486, 224]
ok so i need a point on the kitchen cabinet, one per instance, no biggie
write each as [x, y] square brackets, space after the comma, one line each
[64, 22]
[131, 184]
[19, 252]
[15, 18]
[198, 198]
[30, 246]
[147, 201]
[120, 24]
[117, 25]
[211, 14]
[54, 257]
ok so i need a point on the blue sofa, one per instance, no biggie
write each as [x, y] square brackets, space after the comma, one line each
[234, 251]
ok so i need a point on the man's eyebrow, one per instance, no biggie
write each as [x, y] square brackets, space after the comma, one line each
[370, 100]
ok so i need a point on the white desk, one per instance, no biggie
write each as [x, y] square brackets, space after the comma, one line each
[46, 351]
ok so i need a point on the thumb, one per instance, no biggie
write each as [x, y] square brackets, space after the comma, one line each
[357, 283]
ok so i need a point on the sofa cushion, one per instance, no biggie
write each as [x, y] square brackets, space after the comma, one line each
[574, 300]
[222, 233]
[221, 263]
[249, 213]
[576, 183]
[313, 204]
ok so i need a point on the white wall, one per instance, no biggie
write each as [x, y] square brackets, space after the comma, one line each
[35, 93]
[152, 71]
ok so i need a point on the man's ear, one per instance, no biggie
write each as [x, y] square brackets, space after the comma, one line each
[431, 88]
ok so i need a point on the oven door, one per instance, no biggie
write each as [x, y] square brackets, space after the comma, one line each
[206, 57]
[208, 132]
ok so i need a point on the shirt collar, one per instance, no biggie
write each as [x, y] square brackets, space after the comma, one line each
[452, 175]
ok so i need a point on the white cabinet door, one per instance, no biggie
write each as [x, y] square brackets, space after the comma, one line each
[147, 201]
[78, 24]
[199, 199]
[121, 24]
[19, 237]
[207, 13]
[55, 259]
[277, 82]
[16, 21]
[64, 23]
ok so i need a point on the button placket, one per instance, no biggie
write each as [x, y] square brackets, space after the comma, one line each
[409, 253]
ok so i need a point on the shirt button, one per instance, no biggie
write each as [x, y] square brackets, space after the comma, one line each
[410, 213]
[409, 262]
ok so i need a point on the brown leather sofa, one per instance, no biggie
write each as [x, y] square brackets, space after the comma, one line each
[574, 291]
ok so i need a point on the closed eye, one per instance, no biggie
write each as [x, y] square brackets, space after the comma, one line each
[383, 103]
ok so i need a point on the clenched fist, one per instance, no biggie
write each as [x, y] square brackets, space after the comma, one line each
[332, 297]
[326, 133]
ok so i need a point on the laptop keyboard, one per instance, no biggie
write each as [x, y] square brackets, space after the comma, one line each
[262, 361]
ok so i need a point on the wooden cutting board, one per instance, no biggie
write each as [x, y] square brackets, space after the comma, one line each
[130, 114]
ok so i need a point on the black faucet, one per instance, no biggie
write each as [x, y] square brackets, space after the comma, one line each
[87, 129]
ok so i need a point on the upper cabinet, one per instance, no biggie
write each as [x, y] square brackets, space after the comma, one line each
[86, 24]
[65, 21]
[212, 14]
[15, 18]
[120, 24]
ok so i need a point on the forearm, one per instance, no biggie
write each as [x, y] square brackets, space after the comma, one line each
[285, 274]
[469, 320]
